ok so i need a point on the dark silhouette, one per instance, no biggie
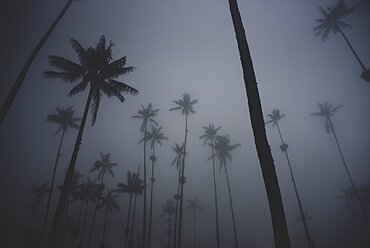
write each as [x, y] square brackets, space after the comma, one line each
[39, 192]
[209, 135]
[280, 228]
[349, 195]
[22, 75]
[274, 118]
[168, 209]
[332, 22]
[97, 70]
[139, 188]
[194, 205]
[186, 106]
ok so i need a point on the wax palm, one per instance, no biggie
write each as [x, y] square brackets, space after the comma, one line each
[154, 136]
[97, 70]
[194, 205]
[146, 115]
[186, 106]
[39, 192]
[110, 204]
[349, 195]
[332, 22]
[168, 209]
[223, 150]
[327, 110]
[274, 118]
[209, 135]
[179, 151]
[65, 119]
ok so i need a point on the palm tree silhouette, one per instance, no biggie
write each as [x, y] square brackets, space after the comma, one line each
[103, 166]
[138, 186]
[146, 114]
[223, 148]
[279, 225]
[168, 209]
[186, 106]
[97, 70]
[39, 192]
[110, 204]
[349, 195]
[327, 110]
[332, 22]
[209, 135]
[153, 136]
[274, 118]
[194, 205]
[64, 118]
[22, 75]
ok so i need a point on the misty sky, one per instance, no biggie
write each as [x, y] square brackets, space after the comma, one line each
[189, 46]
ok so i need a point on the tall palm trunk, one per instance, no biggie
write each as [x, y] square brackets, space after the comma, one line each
[131, 241]
[263, 149]
[182, 182]
[55, 228]
[144, 208]
[95, 211]
[177, 208]
[310, 241]
[22, 75]
[128, 222]
[151, 199]
[215, 189]
[169, 230]
[51, 188]
[105, 225]
[195, 228]
[352, 50]
[363, 208]
[79, 222]
[83, 225]
[231, 207]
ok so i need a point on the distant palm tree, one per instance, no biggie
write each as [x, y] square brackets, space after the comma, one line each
[209, 135]
[97, 70]
[168, 209]
[22, 75]
[194, 205]
[110, 204]
[64, 118]
[327, 110]
[223, 148]
[103, 166]
[71, 226]
[349, 195]
[186, 106]
[39, 192]
[332, 22]
[146, 114]
[278, 220]
[153, 136]
[274, 118]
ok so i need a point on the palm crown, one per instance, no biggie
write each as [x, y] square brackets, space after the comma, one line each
[179, 150]
[169, 208]
[39, 192]
[109, 201]
[327, 110]
[331, 20]
[104, 165]
[194, 204]
[223, 148]
[210, 133]
[146, 115]
[185, 104]
[274, 117]
[134, 184]
[154, 136]
[96, 69]
[89, 191]
[64, 117]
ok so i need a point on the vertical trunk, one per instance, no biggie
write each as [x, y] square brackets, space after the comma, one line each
[128, 222]
[55, 228]
[78, 221]
[144, 208]
[169, 230]
[105, 224]
[231, 207]
[131, 242]
[51, 188]
[182, 182]
[263, 149]
[83, 225]
[31, 220]
[215, 189]
[19, 81]
[352, 50]
[310, 242]
[151, 200]
[177, 209]
[195, 228]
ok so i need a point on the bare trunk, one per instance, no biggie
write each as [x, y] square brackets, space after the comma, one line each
[128, 222]
[78, 221]
[105, 224]
[131, 241]
[151, 199]
[215, 189]
[177, 209]
[83, 225]
[352, 50]
[145, 185]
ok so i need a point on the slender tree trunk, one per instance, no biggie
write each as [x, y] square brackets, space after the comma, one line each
[182, 182]
[78, 221]
[83, 225]
[152, 179]
[169, 230]
[131, 241]
[105, 224]
[19, 81]
[363, 208]
[177, 209]
[144, 208]
[263, 149]
[231, 207]
[127, 230]
[55, 228]
[353, 50]
[95, 211]
[195, 228]
[215, 189]
[310, 241]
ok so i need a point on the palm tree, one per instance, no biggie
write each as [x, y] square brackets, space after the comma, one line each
[110, 204]
[168, 209]
[146, 115]
[327, 110]
[209, 135]
[153, 136]
[349, 195]
[39, 192]
[194, 205]
[139, 187]
[332, 22]
[64, 118]
[274, 118]
[279, 225]
[22, 75]
[186, 105]
[97, 70]
[223, 148]
[102, 166]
